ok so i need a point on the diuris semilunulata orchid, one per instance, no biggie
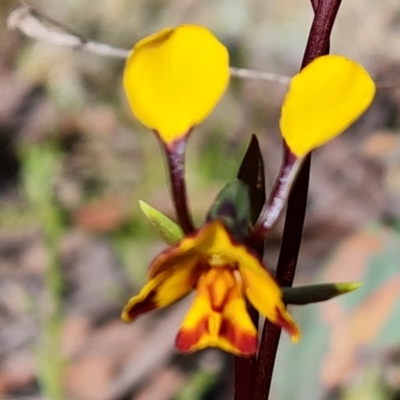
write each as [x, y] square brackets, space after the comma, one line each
[173, 80]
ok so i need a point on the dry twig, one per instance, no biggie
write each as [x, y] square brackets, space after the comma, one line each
[41, 27]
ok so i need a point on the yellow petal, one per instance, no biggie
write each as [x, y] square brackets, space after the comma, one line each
[323, 100]
[174, 78]
[218, 317]
[210, 240]
[162, 290]
[266, 296]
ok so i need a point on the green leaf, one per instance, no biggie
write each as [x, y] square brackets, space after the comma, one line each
[169, 230]
[315, 293]
[40, 166]
[198, 385]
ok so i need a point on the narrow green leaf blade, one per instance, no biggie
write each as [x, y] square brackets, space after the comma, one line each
[169, 230]
[316, 293]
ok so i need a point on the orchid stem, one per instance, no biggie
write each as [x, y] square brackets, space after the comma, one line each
[279, 194]
[251, 172]
[175, 153]
[317, 45]
[245, 367]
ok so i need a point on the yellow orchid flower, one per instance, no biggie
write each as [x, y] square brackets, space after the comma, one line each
[324, 99]
[223, 273]
[174, 78]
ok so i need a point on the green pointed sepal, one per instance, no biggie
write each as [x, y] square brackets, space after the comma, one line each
[316, 293]
[168, 229]
[232, 206]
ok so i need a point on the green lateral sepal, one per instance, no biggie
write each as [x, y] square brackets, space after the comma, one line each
[169, 230]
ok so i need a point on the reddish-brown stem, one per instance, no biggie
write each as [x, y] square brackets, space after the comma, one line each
[284, 276]
[293, 229]
[317, 45]
[244, 368]
[314, 4]
[175, 153]
[318, 41]
[278, 196]
[251, 172]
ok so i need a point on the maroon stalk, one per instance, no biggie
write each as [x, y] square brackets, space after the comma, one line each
[278, 196]
[245, 367]
[317, 45]
[251, 172]
[175, 154]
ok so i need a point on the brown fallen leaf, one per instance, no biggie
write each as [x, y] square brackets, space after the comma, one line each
[102, 215]
[356, 330]
[352, 256]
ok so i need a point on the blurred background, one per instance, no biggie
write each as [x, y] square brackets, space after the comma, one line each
[74, 245]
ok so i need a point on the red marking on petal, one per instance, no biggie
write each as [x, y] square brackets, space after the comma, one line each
[230, 338]
[245, 343]
[187, 340]
[287, 324]
[148, 304]
[218, 317]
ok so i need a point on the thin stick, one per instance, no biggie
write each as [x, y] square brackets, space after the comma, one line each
[37, 25]
[265, 76]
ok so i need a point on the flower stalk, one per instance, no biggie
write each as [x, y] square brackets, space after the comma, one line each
[251, 172]
[278, 196]
[175, 154]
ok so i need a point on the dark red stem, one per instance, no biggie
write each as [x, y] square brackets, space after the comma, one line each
[251, 172]
[175, 153]
[317, 45]
[245, 367]
[278, 196]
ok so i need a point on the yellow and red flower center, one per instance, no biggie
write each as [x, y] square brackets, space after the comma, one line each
[218, 315]
[222, 274]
